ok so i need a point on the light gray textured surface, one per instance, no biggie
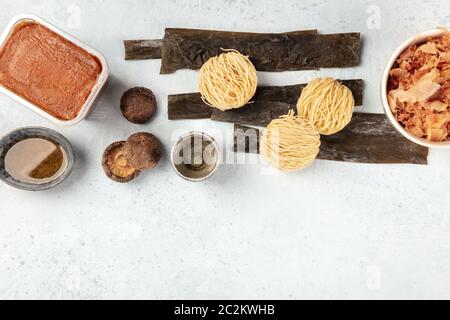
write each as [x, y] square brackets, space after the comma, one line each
[336, 230]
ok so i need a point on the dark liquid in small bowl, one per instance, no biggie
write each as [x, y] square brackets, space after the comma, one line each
[35, 160]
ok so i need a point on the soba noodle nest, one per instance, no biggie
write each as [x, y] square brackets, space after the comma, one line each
[228, 81]
[328, 104]
[290, 143]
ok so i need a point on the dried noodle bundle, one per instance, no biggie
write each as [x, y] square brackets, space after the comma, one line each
[290, 143]
[328, 104]
[228, 81]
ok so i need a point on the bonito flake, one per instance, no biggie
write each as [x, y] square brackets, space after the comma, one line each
[419, 89]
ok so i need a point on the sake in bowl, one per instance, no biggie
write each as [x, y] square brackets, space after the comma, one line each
[35, 159]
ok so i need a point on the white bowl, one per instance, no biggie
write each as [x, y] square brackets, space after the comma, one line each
[417, 39]
[96, 91]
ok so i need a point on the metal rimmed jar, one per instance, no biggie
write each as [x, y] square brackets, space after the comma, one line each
[195, 156]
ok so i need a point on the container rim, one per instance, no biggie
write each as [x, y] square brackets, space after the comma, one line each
[101, 81]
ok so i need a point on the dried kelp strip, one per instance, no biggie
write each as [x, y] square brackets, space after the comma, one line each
[143, 49]
[188, 106]
[369, 138]
[300, 50]
[152, 49]
[268, 103]
[272, 102]
[246, 139]
[257, 114]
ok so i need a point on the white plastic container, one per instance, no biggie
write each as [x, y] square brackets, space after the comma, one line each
[417, 39]
[96, 91]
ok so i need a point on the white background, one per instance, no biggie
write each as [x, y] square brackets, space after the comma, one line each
[336, 230]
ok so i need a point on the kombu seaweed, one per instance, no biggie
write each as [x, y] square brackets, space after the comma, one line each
[369, 138]
[272, 52]
[268, 103]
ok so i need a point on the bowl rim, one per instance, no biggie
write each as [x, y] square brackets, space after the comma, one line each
[180, 140]
[63, 141]
[387, 109]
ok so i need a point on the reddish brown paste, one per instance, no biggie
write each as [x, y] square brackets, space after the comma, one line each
[48, 70]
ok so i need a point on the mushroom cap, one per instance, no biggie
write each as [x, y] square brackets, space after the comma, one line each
[143, 151]
[138, 105]
[116, 165]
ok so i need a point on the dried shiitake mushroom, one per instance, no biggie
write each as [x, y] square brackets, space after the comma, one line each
[138, 105]
[124, 160]
[116, 165]
[143, 151]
